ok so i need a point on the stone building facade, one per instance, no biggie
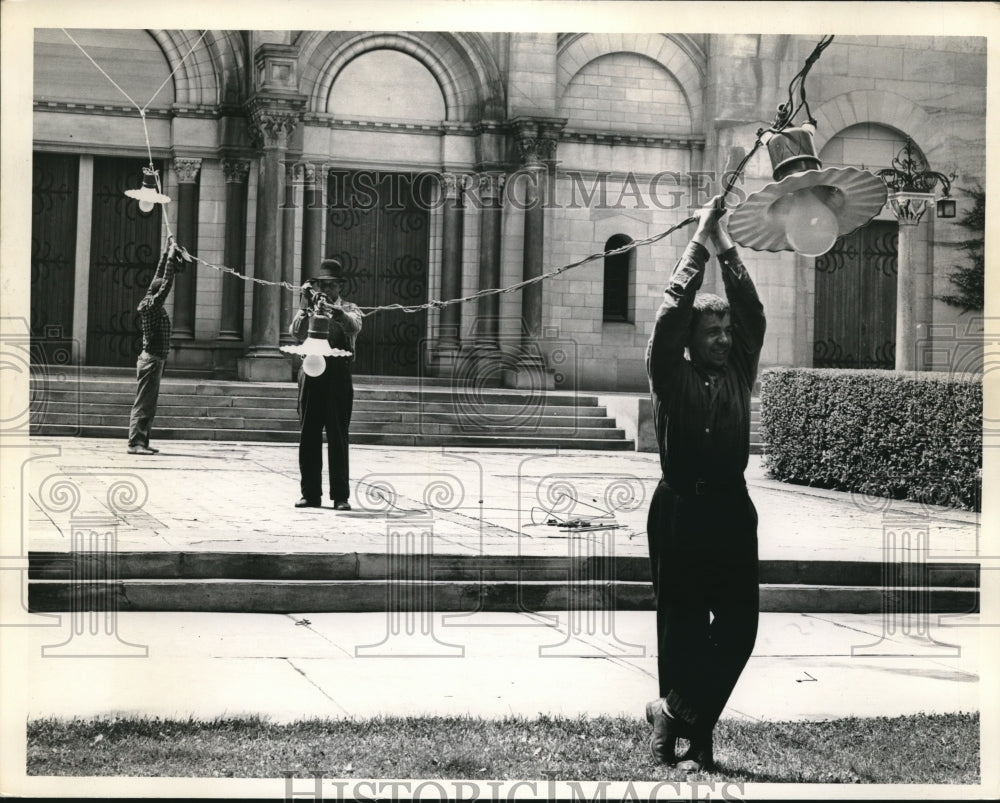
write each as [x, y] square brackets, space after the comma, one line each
[436, 165]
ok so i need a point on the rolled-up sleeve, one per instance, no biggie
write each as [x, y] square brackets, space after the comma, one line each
[746, 312]
[673, 320]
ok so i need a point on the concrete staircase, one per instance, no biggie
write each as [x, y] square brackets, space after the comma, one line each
[96, 403]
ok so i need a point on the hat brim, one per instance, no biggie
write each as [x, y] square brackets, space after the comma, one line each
[854, 196]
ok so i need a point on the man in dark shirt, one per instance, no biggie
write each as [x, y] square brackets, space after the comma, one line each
[702, 526]
[326, 401]
[155, 325]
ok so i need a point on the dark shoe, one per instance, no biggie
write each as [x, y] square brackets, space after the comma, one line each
[666, 731]
[154, 451]
[140, 449]
[698, 757]
[303, 502]
[343, 504]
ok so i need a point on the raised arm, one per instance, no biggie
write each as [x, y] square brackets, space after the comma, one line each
[745, 309]
[673, 319]
[165, 271]
[299, 327]
[348, 316]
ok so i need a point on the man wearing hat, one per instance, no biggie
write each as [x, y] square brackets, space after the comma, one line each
[702, 363]
[325, 401]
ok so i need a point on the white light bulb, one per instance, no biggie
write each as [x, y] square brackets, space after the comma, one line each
[146, 206]
[313, 365]
[811, 227]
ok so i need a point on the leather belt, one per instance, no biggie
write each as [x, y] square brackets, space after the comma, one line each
[702, 487]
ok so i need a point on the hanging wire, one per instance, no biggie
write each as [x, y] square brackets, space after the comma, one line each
[172, 74]
[101, 70]
[142, 109]
[786, 113]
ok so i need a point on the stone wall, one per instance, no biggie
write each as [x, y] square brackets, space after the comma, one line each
[653, 119]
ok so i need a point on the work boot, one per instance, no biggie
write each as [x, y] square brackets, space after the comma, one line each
[698, 757]
[666, 731]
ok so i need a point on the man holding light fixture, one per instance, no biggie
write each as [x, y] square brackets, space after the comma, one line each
[155, 324]
[702, 525]
[329, 326]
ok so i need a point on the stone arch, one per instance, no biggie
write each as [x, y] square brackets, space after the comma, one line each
[230, 54]
[681, 58]
[469, 80]
[195, 80]
[883, 108]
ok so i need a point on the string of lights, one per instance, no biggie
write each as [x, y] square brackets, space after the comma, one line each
[786, 113]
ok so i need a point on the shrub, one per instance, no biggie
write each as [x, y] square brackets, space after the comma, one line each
[880, 433]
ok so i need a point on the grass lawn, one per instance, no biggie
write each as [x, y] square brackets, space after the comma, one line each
[940, 748]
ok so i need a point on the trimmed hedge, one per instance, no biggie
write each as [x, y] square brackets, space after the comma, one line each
[879, 433]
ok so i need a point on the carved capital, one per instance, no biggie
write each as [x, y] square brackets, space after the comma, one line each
[272, 120]
[909, 207]
[187, 170]
[309, 172]
[537, 139]
[452, 185]
[535, 151]
[236, 170]
[491, 185]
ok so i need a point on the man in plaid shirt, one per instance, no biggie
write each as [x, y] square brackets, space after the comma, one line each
[155, 347]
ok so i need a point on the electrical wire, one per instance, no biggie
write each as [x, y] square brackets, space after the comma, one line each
[786, 113]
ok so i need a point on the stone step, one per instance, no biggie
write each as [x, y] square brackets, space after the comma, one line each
[63, 403]
[327, 566]
[125, 387]
[318, 596]
[541, 427]
[374, 437]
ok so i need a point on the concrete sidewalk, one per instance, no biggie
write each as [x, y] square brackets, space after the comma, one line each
[237, 498]
[214, 496]
[288, 667]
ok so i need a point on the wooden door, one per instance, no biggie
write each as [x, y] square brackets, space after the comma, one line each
[124, 250]
[377, 226]
[856, 300]
[54, 194]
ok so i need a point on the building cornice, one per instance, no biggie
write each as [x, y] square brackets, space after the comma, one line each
[113, 110]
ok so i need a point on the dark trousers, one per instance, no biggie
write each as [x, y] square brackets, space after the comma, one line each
[148, 372]
[703, 557]
[325, 403]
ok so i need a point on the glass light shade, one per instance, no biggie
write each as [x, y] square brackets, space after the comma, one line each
[313, 365]
[811, 227]
[146, 207]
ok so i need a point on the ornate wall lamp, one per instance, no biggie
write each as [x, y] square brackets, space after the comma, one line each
[910, 182]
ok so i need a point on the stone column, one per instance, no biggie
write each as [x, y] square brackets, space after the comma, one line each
[449, 327]
[536, 141]
[908, 207]
[312, 219]
[187, 236]
[273, 122]
[534, 173]
[236, 172]
[289, 300]
[487, 334]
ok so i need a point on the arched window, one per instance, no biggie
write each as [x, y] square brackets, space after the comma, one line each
[619, 280]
